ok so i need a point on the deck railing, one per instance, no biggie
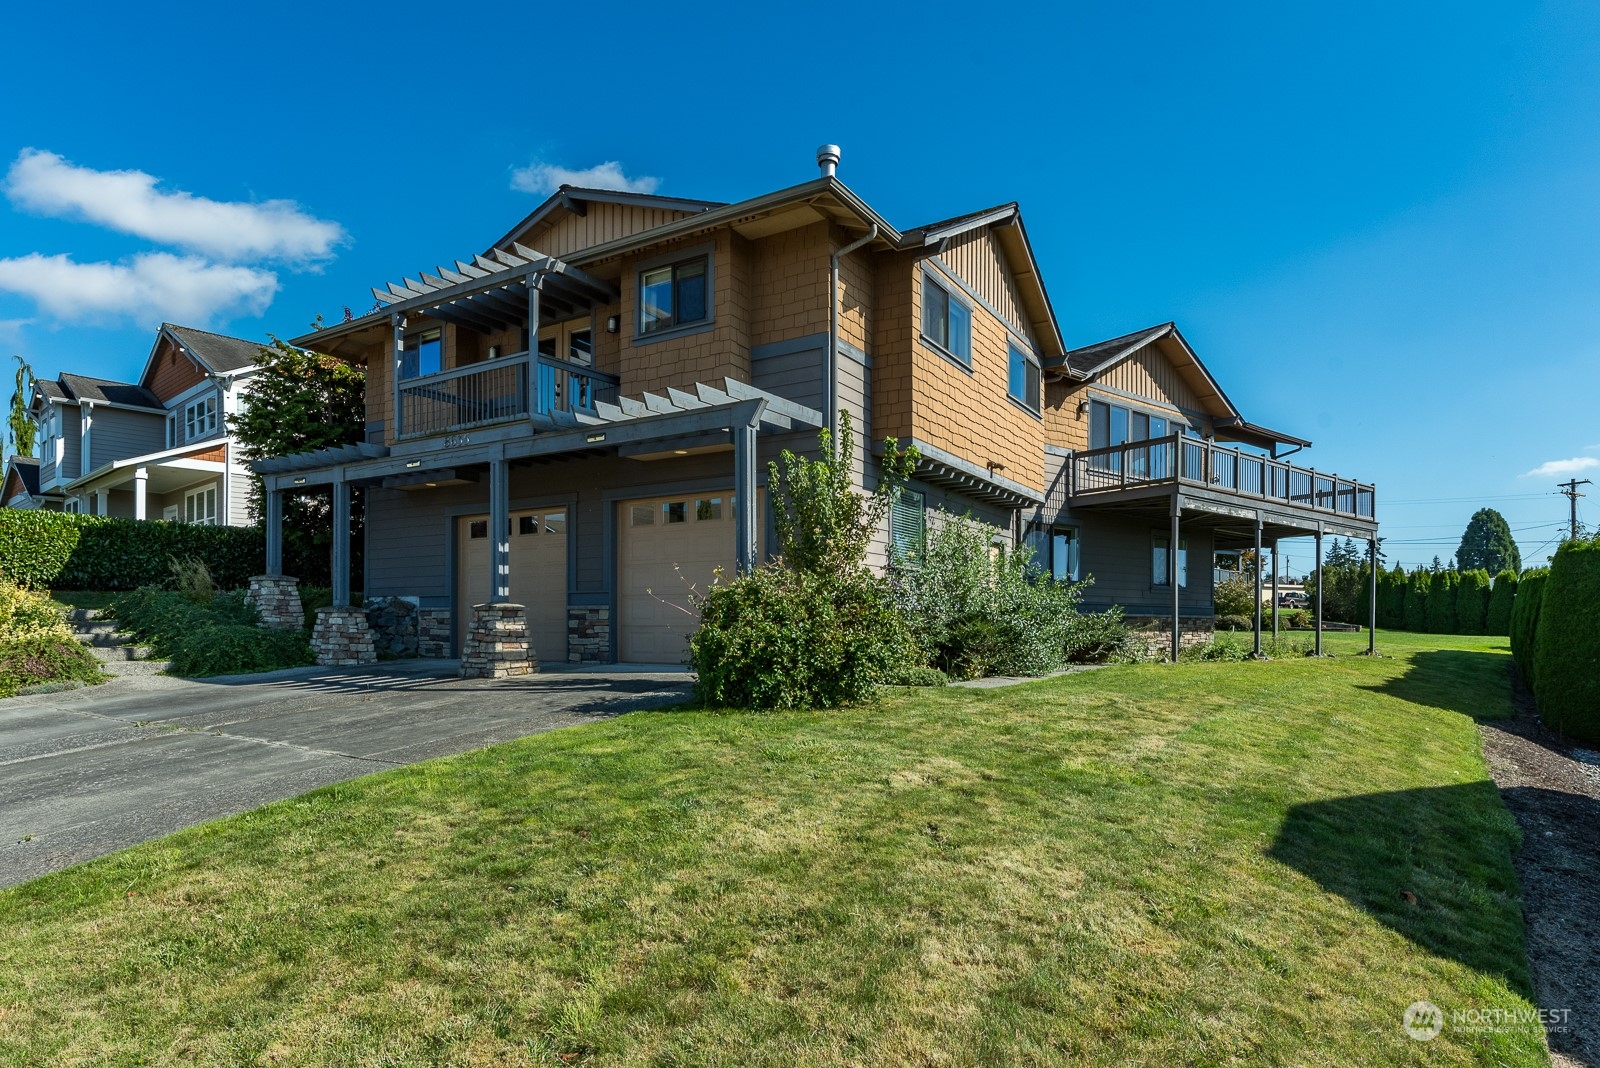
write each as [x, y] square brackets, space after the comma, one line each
[497, 391]
[1196, 462]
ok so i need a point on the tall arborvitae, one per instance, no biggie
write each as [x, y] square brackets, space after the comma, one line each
[1501, 600]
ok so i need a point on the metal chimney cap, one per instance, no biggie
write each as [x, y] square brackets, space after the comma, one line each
[828, 159]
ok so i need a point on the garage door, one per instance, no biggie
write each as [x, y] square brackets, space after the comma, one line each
[538, 575]
[667, 546]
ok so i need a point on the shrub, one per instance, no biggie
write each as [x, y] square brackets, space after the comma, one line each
[1472, 602]
[1566, 644]
[1416, 608]
[1287, 647]
[1392, 598]
[1441, 616]
[1096, 638]
[1236, 622]
[232, 649]
[1501, 598]
[1298, 619]
[1225, 648]
[35, 545]
[1525, 619]
[976, 613]
[40, 660]
[83, 552]
[192, 578]
[26, 615]
[782, 638]
[1235, 596]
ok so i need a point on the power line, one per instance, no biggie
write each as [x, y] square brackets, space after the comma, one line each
[1570, 492]
[1471, 500]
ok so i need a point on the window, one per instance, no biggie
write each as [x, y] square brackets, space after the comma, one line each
[200, 418]
[946, 322]
[708, 508]
[478, 528]
[1055, 551]
[908, 524]
[200, 506]
[641, 515]
[1023, 378]
[672, 296]
[71, 505]
[1159, 565]
[556, 523]
[423, 355]
[527, 524]
[580, 346]
[1112, 424]
[675, 512]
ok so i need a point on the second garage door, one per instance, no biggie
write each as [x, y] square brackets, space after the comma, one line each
[668, 546]
[538, 575]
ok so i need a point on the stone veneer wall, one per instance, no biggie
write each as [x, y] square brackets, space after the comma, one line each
[342, 637]
[277, 598]
[588, 635]
[394, 624]
[1156, 631]
[497, 643]
[433, 632]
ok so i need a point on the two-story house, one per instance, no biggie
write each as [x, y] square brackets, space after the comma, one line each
[158, 448]
[578, 419]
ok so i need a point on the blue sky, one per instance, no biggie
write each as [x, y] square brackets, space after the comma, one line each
[1376, 223]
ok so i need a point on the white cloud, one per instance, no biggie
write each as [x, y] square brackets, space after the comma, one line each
[151, 287]
[546, 178]
[1564, 468]
[129, 201]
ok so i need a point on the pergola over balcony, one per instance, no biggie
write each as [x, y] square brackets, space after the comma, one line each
[499, 291]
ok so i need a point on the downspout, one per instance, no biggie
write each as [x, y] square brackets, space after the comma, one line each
[830, 393]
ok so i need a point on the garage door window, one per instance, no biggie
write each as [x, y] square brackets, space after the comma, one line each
[708, 508]
[556, 523]
[675, 512]
[641, 515]
[478, 528]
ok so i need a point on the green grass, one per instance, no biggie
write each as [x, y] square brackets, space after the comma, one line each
[1199, 865]
[82, 598]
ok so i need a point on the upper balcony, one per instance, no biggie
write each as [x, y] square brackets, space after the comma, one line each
[521, 386]
[1179, 462]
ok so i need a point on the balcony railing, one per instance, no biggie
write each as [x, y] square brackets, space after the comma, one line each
[498, 391]
[1192, 461]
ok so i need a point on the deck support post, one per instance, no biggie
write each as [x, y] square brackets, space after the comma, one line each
[341, 541]
[1172, 579]
[499, 532]
[1257, 569]
[1274, 589]
[746, 420]
[533, 282]
[1318, 621]
[274, 523]
[1372, 599]
[398, 322]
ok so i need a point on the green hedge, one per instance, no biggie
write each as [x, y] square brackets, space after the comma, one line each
[1501, 600]
[1525, 619]
[1566, 653]
[84, 552]
[1441, 613]
[1416, 608]
[1472, 602]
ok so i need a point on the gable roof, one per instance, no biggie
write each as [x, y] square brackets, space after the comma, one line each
[71, 388]
[218, 353]
[1090, 361]
[572, 198]
[26, 468]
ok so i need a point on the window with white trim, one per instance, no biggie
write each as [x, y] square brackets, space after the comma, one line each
[200, 506]
[423, 354]
[71, 504]
[946, 320]
[200, 417]
[1022, 378]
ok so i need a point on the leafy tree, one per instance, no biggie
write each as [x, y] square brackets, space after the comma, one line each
[823, 524]
[1416, 608]
[1487, 543]
[1502, 598]
[302, 401]
[19, 424]
[1442, 587]
[1472, 602]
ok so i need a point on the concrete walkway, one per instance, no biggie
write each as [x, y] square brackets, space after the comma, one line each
[87, 772]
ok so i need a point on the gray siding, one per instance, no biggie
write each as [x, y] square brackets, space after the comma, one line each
[117, 435]
[796, 376]
[239, 486]
[70, 433]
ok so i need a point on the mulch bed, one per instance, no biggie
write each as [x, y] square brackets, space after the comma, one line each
[1552, 787]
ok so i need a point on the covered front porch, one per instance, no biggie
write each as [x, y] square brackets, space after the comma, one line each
[188, 484]
[568, 474]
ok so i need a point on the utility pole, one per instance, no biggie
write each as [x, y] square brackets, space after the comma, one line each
[1569, 490]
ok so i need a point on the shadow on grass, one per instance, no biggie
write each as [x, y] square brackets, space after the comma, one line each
[1432, 864]
[1469, 681]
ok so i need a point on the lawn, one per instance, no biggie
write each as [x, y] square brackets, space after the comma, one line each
[1203, 864]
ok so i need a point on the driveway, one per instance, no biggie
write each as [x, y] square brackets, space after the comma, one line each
[88, 772]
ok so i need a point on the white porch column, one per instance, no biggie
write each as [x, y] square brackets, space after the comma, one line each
[141, 481]
[102, 502]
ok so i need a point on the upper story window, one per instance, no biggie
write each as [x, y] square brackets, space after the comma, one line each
[673, 295]
[946, 320]
[1112, 424]
[200, 418]
[1022, 380]
[423, 355]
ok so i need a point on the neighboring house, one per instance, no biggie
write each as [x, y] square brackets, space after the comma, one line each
[579, 419]
[22, 483]
[155, 449]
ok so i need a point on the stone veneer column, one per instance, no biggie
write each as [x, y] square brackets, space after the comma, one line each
[497, 643]
[277, 598]
[588, 634]
[342, 637]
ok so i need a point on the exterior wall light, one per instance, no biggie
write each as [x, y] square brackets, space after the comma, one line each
[613, 323]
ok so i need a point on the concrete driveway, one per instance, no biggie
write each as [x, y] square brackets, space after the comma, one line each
[88, 772]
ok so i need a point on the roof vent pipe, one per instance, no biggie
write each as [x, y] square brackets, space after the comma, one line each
[828, 159]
